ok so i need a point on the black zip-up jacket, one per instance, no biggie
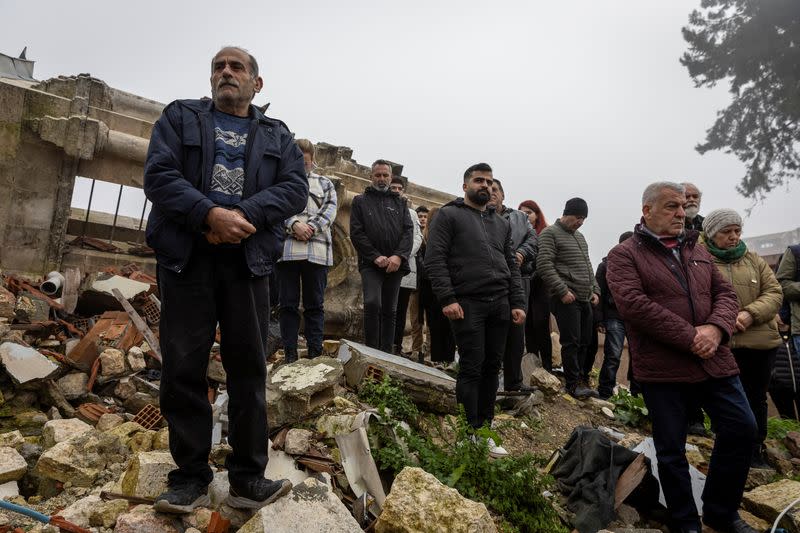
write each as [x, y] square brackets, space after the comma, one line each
[380, 224]
[470, 255]
[177, 173]
[608, 307]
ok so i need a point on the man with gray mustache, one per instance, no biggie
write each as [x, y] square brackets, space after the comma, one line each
[222, 178]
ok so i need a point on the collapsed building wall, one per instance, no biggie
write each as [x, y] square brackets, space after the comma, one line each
[55, 130]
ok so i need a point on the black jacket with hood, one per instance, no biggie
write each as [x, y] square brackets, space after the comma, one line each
[380, 224]
[470, 254]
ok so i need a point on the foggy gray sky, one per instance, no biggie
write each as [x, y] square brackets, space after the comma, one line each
[585, 98]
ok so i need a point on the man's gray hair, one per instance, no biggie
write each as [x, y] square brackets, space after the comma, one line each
[687, 184]
[652, 191]
[251, 58]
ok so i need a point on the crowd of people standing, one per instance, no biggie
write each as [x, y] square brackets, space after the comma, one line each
[235, 198]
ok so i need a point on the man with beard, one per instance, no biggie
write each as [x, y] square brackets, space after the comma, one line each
[382, 233]
[471, 263]
[222, 178]
[523, 240]
[564, 266]
[680, 313]
[693, 198]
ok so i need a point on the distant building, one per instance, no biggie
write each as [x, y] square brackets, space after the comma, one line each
[772, 246]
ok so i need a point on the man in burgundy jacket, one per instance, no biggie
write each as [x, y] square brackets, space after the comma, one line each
[679, 313]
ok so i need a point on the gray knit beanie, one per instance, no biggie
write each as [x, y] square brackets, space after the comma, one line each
[718, 219]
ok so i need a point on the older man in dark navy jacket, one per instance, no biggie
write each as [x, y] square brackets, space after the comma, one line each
[222, 177]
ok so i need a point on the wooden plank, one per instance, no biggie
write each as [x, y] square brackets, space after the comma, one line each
[630, 479]
[140, 324]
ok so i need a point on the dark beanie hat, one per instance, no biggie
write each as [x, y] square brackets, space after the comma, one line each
[576, 207]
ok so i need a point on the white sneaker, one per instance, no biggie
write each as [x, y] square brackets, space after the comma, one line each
[495, 450]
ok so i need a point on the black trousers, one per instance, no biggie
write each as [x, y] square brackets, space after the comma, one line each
[380, 304]
[515, 349]
[215, 287]
[481, 339]
[537, 324]
[755, 370]
[442, 341]
[575, 327]
[296, 278]
[400, 316]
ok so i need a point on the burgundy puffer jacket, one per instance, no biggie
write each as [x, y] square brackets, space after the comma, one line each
[661, 302]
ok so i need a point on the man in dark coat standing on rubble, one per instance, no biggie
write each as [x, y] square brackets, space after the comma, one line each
[471, 262]
[382, 233]
[679, 314]
[222, 178]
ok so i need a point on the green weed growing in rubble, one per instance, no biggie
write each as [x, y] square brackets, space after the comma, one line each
[629, 409]
[777, 428]
[511, 486]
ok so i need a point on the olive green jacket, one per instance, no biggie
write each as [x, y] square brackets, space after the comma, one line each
[760, 294]
[791, 287]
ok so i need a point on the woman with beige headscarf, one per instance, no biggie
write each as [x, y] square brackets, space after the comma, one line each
[756, 338]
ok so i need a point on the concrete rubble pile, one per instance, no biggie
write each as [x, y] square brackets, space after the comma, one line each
[81, 433]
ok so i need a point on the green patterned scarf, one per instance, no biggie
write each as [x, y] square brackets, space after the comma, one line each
[727, 256]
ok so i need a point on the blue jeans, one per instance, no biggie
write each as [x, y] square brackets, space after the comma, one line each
[796, 340]
[724, 400]
[314, 279]
[612, 351]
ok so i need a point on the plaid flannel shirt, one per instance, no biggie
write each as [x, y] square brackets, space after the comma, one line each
[319, 214]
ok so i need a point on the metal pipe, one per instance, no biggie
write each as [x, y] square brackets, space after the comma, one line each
[144, 208]
[88, 208]
[116, 212]
[52, 283]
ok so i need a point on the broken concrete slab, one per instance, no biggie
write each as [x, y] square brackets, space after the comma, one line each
[96, 294]
[146, 475]
[112, 363]
[73, 385]
[105, 514]
[12, 439]
[7, 303]
[143, 519]
[544, 380]
[9, 489]
[55, 431]
[298, 441]
[420, 502]
[136, 360]
[296, 389]
[25, 364]
[109, 421]
[792, 442]
[310, 506]
[78, 512]
[81, 459]
[216, 372]
[30, 309]
[428, 387]
[12, 465]
[768, 501]
[29, 422]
